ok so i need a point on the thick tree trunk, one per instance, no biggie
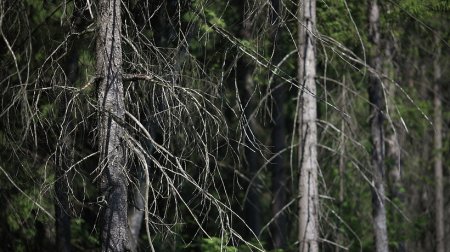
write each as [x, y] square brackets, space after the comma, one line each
[308, 186]
[113, 184]
[377, 132]
[439, 189]
[279, 225]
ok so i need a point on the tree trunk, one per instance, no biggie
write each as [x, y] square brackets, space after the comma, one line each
[377, 132]
[64, 158]
[62, 217]
[342, 161]
[308, 187]
[252, 205]
[393, 153]
[65, 145]
[137, 207]
[439, 189]
[279, 225]
[136, 211]
[113, 184]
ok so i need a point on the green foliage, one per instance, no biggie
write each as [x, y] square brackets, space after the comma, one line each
[425, 9]
[194, 63]
[20, 211]
[215, 244]
[342, 20]
[82, 236]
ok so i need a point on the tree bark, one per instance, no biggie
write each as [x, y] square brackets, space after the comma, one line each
[279, 225]
[377, 131]
[308, 187]
[439, 189]
[113, 183]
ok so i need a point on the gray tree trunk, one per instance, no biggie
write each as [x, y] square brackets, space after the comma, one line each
[439, 189]
[376, 100]
[342, 161]
[113, 183]
[308, 187]
[393, 151]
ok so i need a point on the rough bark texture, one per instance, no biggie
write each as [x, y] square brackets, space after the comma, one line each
[439, 189]
[279, 225]
[113, 184]
[377, 132]
[308, 187]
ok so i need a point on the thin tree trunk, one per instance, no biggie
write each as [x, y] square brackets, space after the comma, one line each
[394, 152]
[377, 132]
[308, 186]
[62, 217]
[279, 225]
[113, 184]
[339, 236]
[65, 145]
[64, 159]
[136, 211]
[439, 189]
[137, 208]
[252, 205]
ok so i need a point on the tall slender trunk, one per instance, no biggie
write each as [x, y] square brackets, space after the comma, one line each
[64, 158]
[136, 211]
[279, 225]
[65, 144]
[137, 208]
[342, 160]
[439, 189]
[377, 131]
[252, 205]
[62, 217]
[308, 186]
[113, 183]
[393, 152]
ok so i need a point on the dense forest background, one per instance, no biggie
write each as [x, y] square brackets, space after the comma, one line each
[224, 125]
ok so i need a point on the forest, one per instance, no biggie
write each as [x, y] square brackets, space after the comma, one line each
[224, 125]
